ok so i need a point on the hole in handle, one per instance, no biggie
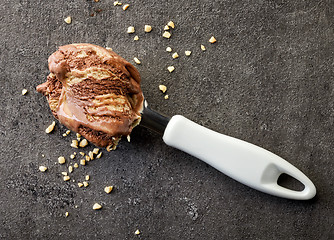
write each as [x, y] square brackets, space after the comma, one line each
[289, 182]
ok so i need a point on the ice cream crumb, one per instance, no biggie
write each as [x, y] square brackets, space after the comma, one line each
[171, 24]
[24, 91]
[66, 178]
[126, 6]
[97, 206]
[168, 49]
[137, 232]
[61, 160]
[136, 38]
[166, 34]
[83, 162]
[68, 20]
[148, 28]
[74, 144]
[42, 168]
[131, 29]
[136, 60]
[188, 53]
[50, 127]
[175, 55]
[212, 40]
[203, 48]
[83, 143]
[166, 97]
[162, 88]
[171, 68]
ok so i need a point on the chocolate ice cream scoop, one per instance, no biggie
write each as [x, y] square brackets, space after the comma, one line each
[94, 92]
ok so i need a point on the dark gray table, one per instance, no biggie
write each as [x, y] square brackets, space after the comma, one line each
[268, 80]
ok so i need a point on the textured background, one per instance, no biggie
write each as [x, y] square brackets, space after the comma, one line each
[267, 80]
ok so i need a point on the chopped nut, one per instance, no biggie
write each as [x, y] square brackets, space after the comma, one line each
[91, 155]
[166, 34]
[109, 48]
[148, 28]
[96, 150]
[166, 97]
[85, 184]
[72, 156]
[212, 40]
[68, 20]
[87, 158]
[50, 127]
[83, 162]
[128, 138]
[162, 88]
[80, 184]
[74, 144]
[116, 3]
[108, 189]
[203, 48]
[64, 134]
[166, 28]
[78, 135]
[175, 55]
[171, 68]
[74, 153]
[64, 173]
[87, 177]
[97, 206]
[99, 155]
[171, 24]
[66, 214]
[82, 153]
[75, 165]
[168, 49]
[187, 53]
[70, 169]
[24, 91]
[137, 232]
[43, 155]
[136, 38]
[66, 178]
[68, 132]
[126, 6]
[119, 3]
[42, 168]
[136, 60]
[83, 143]
[61, 160]
[131, 29]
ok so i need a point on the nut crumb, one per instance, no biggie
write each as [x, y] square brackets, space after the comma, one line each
[126, 6]
[83, 143]
[128, 138]
[66, 214]
[171, 68]
[50, 127]
[68, 132]
[148, 28]
[136, 38]
[171, 24]
[91, 155]
[108, 189]
[66, 178]
[82, 153]
[42, 168]
[24, 91]
[212, 40]
[96, 150]
[87, 158]
[61, 160]
[116, 3]
[83, 162]
[166, 97]
[78, 135]
[80, 184]
[166, 28]
[72, 156]
[168, 49]
[188, 53]
[166, 34]
[99, 155]
[87, 177]
[70, 169]
[175, 55]
[64, 173]
[97, 206]
[137, 232]
[64, 134]
[131, 29]
[75, 165]
[162, 88]
[85, 184]
[68, 20]
[74, 144]
[203, 48]
[136, 60]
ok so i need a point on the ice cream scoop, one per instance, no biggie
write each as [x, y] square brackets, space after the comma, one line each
[95, 92]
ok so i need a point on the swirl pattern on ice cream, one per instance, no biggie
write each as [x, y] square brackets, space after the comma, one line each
[94, 92]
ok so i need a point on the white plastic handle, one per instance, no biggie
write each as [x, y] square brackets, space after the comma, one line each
[240, 160]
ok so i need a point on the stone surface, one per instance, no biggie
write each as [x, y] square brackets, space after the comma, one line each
[268, 80]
